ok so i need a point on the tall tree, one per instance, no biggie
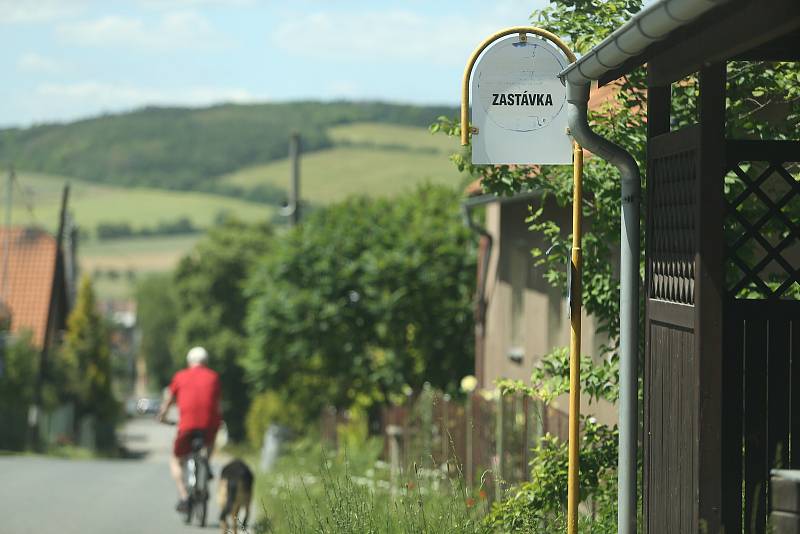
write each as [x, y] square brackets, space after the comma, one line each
[364, 299]
[87, 351]
[211, 305]
[157, 318]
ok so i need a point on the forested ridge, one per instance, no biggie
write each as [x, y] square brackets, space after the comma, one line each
[186, 148]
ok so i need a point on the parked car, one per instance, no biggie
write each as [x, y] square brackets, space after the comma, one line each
[147, 406]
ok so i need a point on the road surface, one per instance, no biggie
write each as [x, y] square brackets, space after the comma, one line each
[40, 495]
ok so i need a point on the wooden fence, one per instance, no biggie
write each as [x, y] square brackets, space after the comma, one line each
[484, 437]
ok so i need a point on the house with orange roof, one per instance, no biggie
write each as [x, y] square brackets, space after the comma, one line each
[33, 284]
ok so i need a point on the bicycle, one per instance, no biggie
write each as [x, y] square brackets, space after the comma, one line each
[196, 473]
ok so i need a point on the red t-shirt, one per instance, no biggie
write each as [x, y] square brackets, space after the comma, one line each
[196, 391]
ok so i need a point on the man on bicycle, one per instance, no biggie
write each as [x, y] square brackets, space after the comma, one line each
[196, 391]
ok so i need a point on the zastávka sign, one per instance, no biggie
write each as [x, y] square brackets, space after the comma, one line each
[519, 104]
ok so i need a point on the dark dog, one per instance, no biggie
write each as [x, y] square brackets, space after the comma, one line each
[235, 492]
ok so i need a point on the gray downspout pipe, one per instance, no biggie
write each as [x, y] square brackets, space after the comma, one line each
[577, 104]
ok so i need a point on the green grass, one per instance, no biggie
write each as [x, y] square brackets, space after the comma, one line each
[370, 158]
[140, 207]
[392, 135]
[310, 490]
[333, 174]
[137, 255]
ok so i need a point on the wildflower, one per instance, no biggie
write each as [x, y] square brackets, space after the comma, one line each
[482, 494]
[470, 502]
[410, 485]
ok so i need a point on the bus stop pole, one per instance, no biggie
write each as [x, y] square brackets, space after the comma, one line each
[573, 479]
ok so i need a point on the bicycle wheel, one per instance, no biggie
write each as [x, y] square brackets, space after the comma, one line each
[190, 474]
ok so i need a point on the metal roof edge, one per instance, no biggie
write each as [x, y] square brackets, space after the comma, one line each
[651, 24]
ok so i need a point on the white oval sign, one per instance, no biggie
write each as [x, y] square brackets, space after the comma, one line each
[519, 104]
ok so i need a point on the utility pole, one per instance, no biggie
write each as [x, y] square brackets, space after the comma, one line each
[7, 236]
[5, 310]
[34, 411]
[293, 209]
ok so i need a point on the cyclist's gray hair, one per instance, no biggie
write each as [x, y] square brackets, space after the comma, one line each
[197, 356]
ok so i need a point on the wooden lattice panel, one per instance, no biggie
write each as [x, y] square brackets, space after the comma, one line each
[671, 262]
[761, 229]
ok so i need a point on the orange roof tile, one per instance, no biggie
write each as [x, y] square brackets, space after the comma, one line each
[29, 282]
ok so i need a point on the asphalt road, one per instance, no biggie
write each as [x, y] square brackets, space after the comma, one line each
[40, 495]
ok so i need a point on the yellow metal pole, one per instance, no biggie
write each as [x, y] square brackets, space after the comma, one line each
[573, 481]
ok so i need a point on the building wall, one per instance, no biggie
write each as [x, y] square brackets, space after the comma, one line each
[526, 318]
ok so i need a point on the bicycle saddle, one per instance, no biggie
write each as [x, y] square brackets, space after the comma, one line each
[198, 440]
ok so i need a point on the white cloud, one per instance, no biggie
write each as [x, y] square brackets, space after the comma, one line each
[115, 97]
[22, 11]
[185, 29]
[343, 89]
[394, 34]
[36, 63]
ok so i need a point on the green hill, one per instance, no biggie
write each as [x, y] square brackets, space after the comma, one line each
[38, 197]
[185, 149]
[157, 166]
[366, 158]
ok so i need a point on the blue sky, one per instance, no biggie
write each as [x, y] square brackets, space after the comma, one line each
[67, 59]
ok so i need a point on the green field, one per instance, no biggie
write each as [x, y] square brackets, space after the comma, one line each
[38, 197]
[392, 135]
[116, 264]
[367, 158]
[374, 159]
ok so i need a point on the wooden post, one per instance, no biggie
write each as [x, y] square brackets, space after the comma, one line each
[393, 432]
[469, 436]
[498, 475]
[709, 293]
[445, 433]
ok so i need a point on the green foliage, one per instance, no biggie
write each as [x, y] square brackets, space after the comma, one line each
[363, 299]
[764, 102]
[115, 230]
[311, 491]
[211, 308]
[550, 378]
[757, 92]
[535, 504]
[19, 368]
[268, 408]
[157, 317]
[186, 148]
[86, 357]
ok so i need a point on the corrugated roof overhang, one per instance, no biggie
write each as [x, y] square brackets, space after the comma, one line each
[678, 37]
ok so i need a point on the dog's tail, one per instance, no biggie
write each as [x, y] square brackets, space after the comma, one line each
[230, 498]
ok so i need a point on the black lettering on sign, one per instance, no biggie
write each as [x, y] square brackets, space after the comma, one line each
[522, 99]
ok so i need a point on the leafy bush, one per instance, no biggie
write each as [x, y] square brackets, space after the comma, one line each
[18, 368]
[210, 308]
[539, 504]
[364, 299]
[266, 409]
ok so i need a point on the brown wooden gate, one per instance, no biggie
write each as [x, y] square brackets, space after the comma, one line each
[670, 373]
[753, 370]
[761, 410]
